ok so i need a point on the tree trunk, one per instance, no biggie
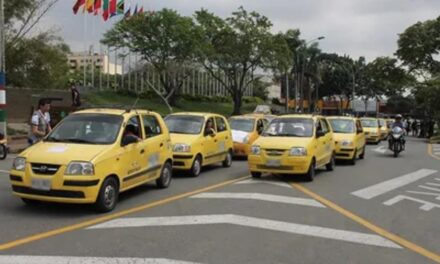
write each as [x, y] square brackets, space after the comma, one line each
[237, 98]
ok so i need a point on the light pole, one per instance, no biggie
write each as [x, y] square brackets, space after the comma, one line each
[298, 87]
[3, 126]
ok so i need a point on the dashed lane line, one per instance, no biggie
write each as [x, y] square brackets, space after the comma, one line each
[261, 197]
[260, 223]
[86, 260]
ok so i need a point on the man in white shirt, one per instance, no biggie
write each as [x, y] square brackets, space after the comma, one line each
[40, 122]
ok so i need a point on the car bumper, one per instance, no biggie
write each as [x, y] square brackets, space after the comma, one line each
[64, 189]
[182, 161]
[241, 149]
[344, 153]
[372, 139]
[287, 165]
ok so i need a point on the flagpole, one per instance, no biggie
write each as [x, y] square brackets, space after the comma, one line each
[116, 70]
[108, 68]
[93, 48]
[85, 50]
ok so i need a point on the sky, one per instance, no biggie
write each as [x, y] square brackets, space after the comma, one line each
[367, 28]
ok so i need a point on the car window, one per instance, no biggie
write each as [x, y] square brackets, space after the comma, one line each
[182, 124]
[134, 121]
[324, 126]
[151, 126]
[211, 122]
[221, 124]
[290, 127]
[342, 125]
[242, 124]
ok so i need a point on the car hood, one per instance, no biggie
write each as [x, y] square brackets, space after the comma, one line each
[371, 129]
[282, 142]
[62, 153]
[342, 136]
[238, 135]
[183, 138]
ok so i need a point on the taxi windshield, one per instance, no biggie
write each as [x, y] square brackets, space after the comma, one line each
[369, 123]
[381, 122]
[87, 129]
[290, 127]
[246, 125]
[179, 124]
[342, 125]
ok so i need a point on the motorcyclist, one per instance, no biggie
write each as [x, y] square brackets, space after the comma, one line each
[398, 123]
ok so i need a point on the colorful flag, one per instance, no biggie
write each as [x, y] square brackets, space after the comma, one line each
[77, 5]
[89, 5]
[128, 13]
[113, 7]
[135, 10]
[120, 8]
[141, 10]
[97, 6]
[105, 10]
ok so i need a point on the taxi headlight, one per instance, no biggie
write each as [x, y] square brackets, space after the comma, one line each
[181, 148]
[256, 150]
[346, 143]
[80, 168]
[19, 164]
[298, 151]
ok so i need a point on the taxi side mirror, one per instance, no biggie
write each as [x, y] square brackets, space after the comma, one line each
[319, 133]
[128, 140]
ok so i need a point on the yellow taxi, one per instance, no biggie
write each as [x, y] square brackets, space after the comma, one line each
[293, 144]
[92, 156]
[199, 139]
[349, 138]
[384, 130]
[371, 129]
[245, 130]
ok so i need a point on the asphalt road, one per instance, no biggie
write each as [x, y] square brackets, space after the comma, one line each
[383, 210]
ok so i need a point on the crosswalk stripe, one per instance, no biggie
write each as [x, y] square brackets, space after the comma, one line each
[85, 260]
[261, 197]
[386, 186]
[276, 183]
[293, 228]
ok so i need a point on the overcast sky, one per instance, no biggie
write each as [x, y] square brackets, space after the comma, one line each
[367, 28]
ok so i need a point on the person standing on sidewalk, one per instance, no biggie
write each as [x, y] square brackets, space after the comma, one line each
[76, 99]
[40, 122]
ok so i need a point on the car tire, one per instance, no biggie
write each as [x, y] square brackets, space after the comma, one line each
[331, 165]
[3, 152]
[256, 175]
[196, 167]
[108, 195]
[310, 175]
[228, 160]
[353, 160]
[165, 176]
[362, 155]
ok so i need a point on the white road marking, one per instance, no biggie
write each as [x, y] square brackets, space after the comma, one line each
[426, 206]
[276, 183]
[380, 149]
[437, 195]
[433, 184]
[300, 229]
[437, 179]
[386, 186]
[85, 260]
[4, 171]
[261, 197]
[429, 188]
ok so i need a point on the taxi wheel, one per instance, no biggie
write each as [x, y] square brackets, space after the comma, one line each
[362, 156]
[311, 173]
[165, 176]
[353, 160]
[3, 152]
[228, 160]
[108, 195]
[197, 166]
[255, 174]
[331, 165]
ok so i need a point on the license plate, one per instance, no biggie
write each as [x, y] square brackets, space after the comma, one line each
[273, 163]
[41, 184]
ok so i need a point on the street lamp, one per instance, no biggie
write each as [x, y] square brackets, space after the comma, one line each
[298, 80]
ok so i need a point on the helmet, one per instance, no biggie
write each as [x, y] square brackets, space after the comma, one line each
[399, 116]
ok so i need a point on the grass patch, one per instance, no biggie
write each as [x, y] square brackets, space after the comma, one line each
[157, 105]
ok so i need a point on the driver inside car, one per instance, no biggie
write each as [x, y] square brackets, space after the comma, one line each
[130, 133]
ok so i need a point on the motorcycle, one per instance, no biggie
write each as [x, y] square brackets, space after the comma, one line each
[396, 141]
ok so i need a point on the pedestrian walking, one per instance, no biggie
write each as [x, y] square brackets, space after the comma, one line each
[414, 128]
[76, 97]
[40, 122]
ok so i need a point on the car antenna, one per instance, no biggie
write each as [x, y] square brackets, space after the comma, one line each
[133, 106]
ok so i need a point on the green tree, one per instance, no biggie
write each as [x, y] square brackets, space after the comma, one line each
[231, 50]
[401, 104]
[165, 40]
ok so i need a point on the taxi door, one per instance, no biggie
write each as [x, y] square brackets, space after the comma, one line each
[209, 144]
[130, 158]
[155, 146]
[328, 141]
[360, 136]
[322, 156]
[221, 138]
